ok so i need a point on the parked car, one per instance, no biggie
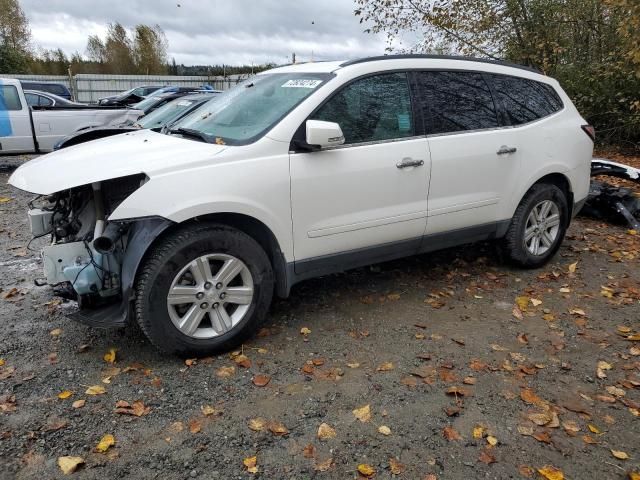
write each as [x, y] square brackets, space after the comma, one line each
[156, 101]
[58, 89]
[156, 120]
[129, 97]
[42, 99]
[36, 129]
[301, 171]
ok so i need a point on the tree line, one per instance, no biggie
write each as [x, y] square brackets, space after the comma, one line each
[141, 50]
[591, 46]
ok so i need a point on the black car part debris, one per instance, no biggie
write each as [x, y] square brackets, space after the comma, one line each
[611, 202]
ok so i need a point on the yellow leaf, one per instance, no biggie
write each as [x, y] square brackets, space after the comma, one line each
[208, 410]
[257, 424]
[522, 302]
[366, 470]
[65, 394]
[363, 413]
[384, 430]
[573, 267]
[385, 367]
[251, 463]
[551, 473]
[620, 455]
[305, 331]
[535, 302]
[634, 476]
[478, 431]
[325, 431]
[110, 356]
[69, 465]
[594, 429]
[4, 199]
[95, 390]
[55, 332]
[491, 440]
[105, 443]
[1, 362]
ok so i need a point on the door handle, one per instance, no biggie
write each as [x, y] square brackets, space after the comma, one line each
[504, 150]
[409, 162]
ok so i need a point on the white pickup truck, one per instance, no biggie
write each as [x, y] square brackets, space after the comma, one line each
[25, 129]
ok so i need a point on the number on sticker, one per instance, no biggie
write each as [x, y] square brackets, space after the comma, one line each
[302, 83]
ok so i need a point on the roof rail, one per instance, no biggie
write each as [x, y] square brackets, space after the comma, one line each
[439, 57]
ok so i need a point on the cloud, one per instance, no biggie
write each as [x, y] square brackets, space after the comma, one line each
[233, 32]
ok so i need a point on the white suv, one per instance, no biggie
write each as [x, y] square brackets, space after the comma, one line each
[301, 171]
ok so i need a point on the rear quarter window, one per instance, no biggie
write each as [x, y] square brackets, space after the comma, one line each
[525, 100]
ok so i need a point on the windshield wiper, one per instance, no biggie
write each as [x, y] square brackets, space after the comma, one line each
[190, 132]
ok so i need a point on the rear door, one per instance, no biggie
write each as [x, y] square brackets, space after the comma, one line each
[475, 160]
[15, 123]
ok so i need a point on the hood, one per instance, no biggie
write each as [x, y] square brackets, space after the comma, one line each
[143, 151]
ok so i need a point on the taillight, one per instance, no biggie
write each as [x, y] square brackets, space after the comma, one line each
[589, 130]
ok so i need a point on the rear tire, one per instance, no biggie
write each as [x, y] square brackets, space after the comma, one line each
[537, 227]
[203, 289]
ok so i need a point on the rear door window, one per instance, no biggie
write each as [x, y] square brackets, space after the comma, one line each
[455, 102]
[9, 98]
[371, 109]
[525, 100]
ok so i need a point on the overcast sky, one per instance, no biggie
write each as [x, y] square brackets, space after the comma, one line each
[233, 32]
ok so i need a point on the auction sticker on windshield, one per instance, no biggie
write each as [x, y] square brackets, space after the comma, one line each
[302, 83]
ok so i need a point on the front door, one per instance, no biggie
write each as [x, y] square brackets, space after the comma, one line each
[366, 200]
[15, 123]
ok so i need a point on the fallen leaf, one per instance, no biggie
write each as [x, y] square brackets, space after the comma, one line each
[278, 429]
[78, 403]
[526, 471]
[486, 457]
[195, 426]
[602, 367]
[594, 429]
[305, 331]
[551, 473]
[110, 356]
[384, 430]
[226, 372]
[251, 464]
[478, 431]
[309, 451]
[491, 440]
[261, 380]
[528, 396]
[208, 410]
[257, 424]
[615, 391]
[105, 443]
[325, 432]
[385, 367]
[620, 455]
[395, 467]
[323, 466]
[363, 413]
[96, 390]
[68, 465]
[65, 394]
[242, 360]
[55, 332]
[572, 267]
[366, 470]
[451, 434]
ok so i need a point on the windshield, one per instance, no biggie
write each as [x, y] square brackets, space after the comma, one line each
[246, 112]
[146, 104]
[168, 113]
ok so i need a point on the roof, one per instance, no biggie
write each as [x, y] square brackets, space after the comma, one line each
[332, 66]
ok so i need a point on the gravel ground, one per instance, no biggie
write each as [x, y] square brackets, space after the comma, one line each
[469, 369]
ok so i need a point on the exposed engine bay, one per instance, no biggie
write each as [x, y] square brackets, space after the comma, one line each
[84, 260]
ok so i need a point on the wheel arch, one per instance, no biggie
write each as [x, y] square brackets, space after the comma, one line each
[562, 182]
[253, 227]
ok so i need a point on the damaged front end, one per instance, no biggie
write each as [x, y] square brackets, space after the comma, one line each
[90, 259]
[613, 202]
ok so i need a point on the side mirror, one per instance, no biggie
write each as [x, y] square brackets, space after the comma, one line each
[324, 134]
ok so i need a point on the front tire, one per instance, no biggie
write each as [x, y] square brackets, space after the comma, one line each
[203, 289]
[538, 226]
